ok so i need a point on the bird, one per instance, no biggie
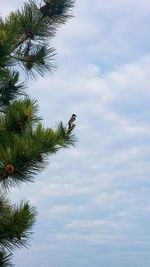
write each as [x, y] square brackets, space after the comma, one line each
[72, 119]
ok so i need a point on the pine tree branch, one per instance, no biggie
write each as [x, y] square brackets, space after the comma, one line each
[28, 35]
[31, 23]
[21, 41]
[10, 88]
[58, 14]
[39, 58]
[15, 224]
[26, 149]
[5, 259]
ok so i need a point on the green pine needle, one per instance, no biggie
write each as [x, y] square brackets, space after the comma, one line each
[15, 224]
[10, 88]
[5, 259]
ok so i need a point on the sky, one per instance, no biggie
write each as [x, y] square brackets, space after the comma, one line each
[93, 201]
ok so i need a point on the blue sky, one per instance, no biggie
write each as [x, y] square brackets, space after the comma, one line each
[93, 200]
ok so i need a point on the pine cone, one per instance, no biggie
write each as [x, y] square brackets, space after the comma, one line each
[19, 126]
[9, 169]
[31, 58]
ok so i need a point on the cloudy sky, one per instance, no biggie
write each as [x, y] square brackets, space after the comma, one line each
[93, 200]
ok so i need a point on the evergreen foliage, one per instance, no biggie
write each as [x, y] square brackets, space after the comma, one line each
[24, 143]
[5, 259]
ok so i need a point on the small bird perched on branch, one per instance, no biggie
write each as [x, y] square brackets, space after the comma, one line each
[72, 119]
